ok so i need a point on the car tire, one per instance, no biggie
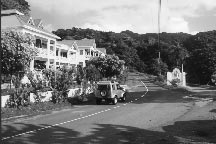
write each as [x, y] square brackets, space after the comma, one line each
[115, 100]
[98, 101]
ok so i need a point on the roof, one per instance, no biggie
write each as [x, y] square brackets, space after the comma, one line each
[15, 20]
[80, 43]
[67, 42]
[103, 50]
[37, 22]
[85, 42]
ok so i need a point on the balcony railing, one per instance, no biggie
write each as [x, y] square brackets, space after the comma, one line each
[88, 56]
[61, 58]
[52, 53]
[42, 52]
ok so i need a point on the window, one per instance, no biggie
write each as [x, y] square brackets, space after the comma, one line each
[63, 54]
[81, 52]
[113, 87]
[44, 44]
[52, 42]
[57, 63]
[57, 51]
[38, 43]
[81, 63]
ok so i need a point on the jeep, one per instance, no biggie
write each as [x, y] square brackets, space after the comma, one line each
[109, 91]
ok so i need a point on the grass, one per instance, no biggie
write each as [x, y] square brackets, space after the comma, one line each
[32, 109]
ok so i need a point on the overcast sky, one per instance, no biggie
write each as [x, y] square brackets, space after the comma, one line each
[140, 16]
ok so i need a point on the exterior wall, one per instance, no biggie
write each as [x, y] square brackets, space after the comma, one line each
[92, 52]
[69, 60]
[44, 53]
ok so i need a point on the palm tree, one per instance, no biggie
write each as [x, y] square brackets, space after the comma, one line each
[178, 54]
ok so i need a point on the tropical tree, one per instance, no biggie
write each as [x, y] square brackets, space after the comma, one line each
[177, 54]
[158, 67]
[17, 51]
[20, 5]
[108, 65]
[202, 61]
[92, 73]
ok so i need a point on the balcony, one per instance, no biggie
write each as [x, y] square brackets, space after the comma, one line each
[88, 56]
[62, 58]
[52, 53]
[42, 52]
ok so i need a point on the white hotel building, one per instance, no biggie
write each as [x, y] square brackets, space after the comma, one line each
[52, 53]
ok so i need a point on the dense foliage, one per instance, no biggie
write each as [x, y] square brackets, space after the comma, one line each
[20, 5]
[140, 51]
[202, 60]
[108, 66]
[17, 51]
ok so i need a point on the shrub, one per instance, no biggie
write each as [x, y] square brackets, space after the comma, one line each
[60, 81]
[175, 82]
[20, 97]
[213, 78]
[160, 78]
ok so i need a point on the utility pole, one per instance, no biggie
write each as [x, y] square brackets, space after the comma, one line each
[159, 11]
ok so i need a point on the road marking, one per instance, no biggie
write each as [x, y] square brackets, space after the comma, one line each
[46, 127]
[145, 86]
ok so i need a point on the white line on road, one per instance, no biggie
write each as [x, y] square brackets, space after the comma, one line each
[46, 127]
[145, 86]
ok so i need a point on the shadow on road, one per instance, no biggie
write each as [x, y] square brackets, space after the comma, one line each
[196, 130]
[213, 110]
[161, 96]
[180, 132]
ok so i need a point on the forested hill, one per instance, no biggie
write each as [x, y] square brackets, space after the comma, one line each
[140, 51]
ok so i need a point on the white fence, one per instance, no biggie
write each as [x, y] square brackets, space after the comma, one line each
[44, 96]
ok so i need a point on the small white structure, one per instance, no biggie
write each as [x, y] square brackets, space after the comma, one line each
[176, 74]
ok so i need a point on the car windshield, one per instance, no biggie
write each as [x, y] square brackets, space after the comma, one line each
[103, 87]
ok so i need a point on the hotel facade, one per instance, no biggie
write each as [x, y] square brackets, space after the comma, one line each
[51, 52]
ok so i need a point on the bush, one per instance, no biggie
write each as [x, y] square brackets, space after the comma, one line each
[175, 82]
[160, 78]
[20, 97]
[213, 78]
[60, 81]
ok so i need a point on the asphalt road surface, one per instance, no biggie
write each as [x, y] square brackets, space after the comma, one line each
[138, 120]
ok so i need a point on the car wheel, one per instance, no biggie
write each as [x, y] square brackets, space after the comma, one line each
[115, 100]
[98, 101]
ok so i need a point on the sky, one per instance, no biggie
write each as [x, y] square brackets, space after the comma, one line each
[139, 16]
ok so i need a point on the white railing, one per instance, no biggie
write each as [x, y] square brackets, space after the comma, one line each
[88, 56]
[62, 58]
[52, 53]
[42, 52]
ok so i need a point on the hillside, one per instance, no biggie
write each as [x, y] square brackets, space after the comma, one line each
[140, 51]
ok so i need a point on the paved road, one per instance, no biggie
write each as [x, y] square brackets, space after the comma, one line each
[147, 107]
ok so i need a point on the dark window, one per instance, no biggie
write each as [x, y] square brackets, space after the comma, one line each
[81, 63]
[52, 42]
[57, 51]
[38, 43]
[44, 44]
[81, 52]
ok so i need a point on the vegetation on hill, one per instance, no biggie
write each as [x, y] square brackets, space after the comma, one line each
[140, 51]
[20, 5]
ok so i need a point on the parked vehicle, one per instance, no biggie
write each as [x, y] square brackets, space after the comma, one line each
[109, 91]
